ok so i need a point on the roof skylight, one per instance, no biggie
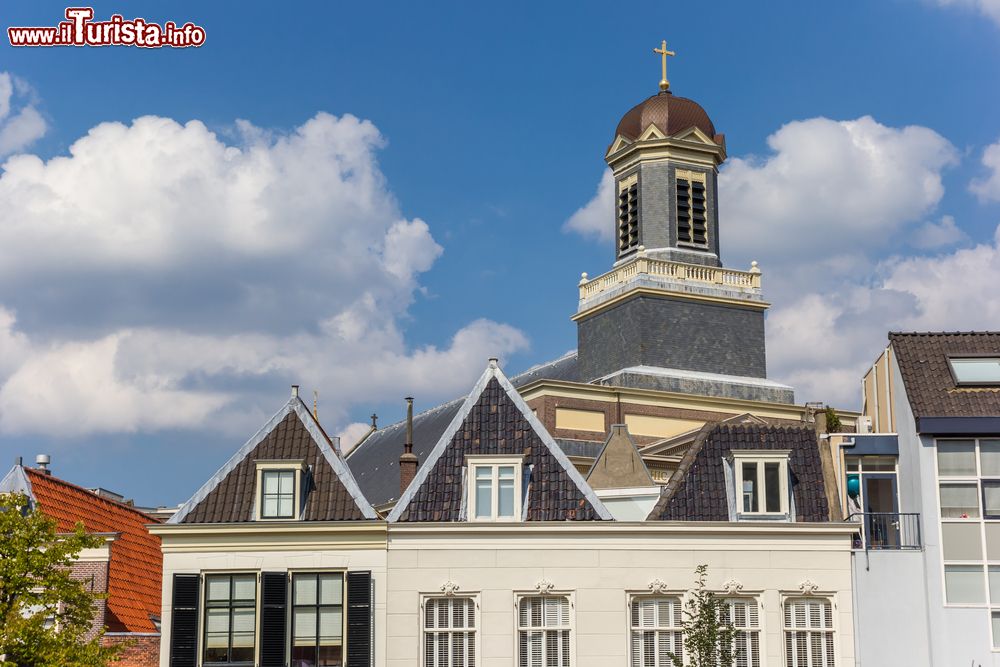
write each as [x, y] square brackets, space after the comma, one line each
[976, 370]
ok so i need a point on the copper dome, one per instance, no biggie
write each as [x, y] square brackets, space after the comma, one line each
[669, 113]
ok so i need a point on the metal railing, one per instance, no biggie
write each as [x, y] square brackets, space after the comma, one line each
[887, 531]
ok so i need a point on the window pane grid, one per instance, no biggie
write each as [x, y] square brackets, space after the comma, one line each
[809, 638]
[230, 619]
[543, 631]
[450, 632]
[317, 618]
[656, 631]
[277, 494]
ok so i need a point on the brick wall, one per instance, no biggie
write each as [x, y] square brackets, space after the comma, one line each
[94, 575]
[142, 649]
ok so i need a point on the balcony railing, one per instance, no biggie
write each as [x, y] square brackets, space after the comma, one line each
[887, 531]
[660, 269]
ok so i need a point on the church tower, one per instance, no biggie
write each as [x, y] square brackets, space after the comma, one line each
[668, 315]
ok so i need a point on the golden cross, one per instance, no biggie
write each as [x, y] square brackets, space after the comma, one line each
[662, 51]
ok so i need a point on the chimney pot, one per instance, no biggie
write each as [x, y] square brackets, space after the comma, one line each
[295, 391]
[494, 362]
[43, 461]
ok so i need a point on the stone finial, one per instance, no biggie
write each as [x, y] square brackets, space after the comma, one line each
[658, 586]
[583, 278]
[808, 587]
[733, 587]
[642, 251]
[449, 588]
[545, 586]
[753, 267]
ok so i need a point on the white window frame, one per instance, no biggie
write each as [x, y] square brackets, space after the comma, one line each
[296, 466]
[791, 660]
[761, 457]
[474, 461]
[679, 597]
[570, 626]
[758, 630]
[973, 358]
[474, 629]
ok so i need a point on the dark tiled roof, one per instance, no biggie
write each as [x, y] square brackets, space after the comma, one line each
[697, 489]
[136, 564]
[375, 462]
[668, 112]
[495, 424]
[232, 499]
[923, 363]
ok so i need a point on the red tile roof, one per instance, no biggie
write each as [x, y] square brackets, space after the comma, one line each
[136, 567]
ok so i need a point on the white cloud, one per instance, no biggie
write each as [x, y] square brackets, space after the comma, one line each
[988, 188]
[20, 130]
[823, 342]
[939, 234]
[596, 218]
[831, 188]
[989, 8]
[164, 278]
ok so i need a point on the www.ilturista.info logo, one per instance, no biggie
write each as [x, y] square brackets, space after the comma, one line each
[81, 30]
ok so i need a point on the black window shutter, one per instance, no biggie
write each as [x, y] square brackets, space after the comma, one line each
[184, 620]
[273, 618]
[359, 619]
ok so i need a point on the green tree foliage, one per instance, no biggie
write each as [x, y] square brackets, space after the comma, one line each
[833, 423]
[44, 613]
[708, 635]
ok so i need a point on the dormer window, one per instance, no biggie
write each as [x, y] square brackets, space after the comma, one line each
[692, 219]
[279, 489]
[982, 371]
[761, 482]
[494, 488]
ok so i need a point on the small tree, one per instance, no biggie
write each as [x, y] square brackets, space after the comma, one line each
[833, 423]
[708, 635]
[44, 613]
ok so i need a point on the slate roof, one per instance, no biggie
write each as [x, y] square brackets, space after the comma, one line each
[293, 434]
[697, 491]
[375, 462]
[494, 419]
[930, 387]
[136, 566]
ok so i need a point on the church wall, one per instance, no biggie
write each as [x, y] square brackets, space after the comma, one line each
[600, 568]
[672, 333]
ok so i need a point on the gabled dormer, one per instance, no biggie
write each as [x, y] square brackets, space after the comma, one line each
[496, 463]
[289, 471]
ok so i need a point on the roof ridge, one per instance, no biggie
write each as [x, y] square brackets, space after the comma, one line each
[60, 480]
[441, 406]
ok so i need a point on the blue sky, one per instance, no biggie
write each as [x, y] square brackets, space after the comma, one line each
[165, 280]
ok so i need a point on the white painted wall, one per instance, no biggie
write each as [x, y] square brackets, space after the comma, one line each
[599, 569]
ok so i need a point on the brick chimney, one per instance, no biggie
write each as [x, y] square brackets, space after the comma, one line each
[407, 460]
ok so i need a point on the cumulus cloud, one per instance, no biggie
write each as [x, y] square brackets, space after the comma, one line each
[595, 219]
[831, 188]
[165, 278]
[939, 234]
[823, 342]
[988, 188]
[20, 122]
[988, 8]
